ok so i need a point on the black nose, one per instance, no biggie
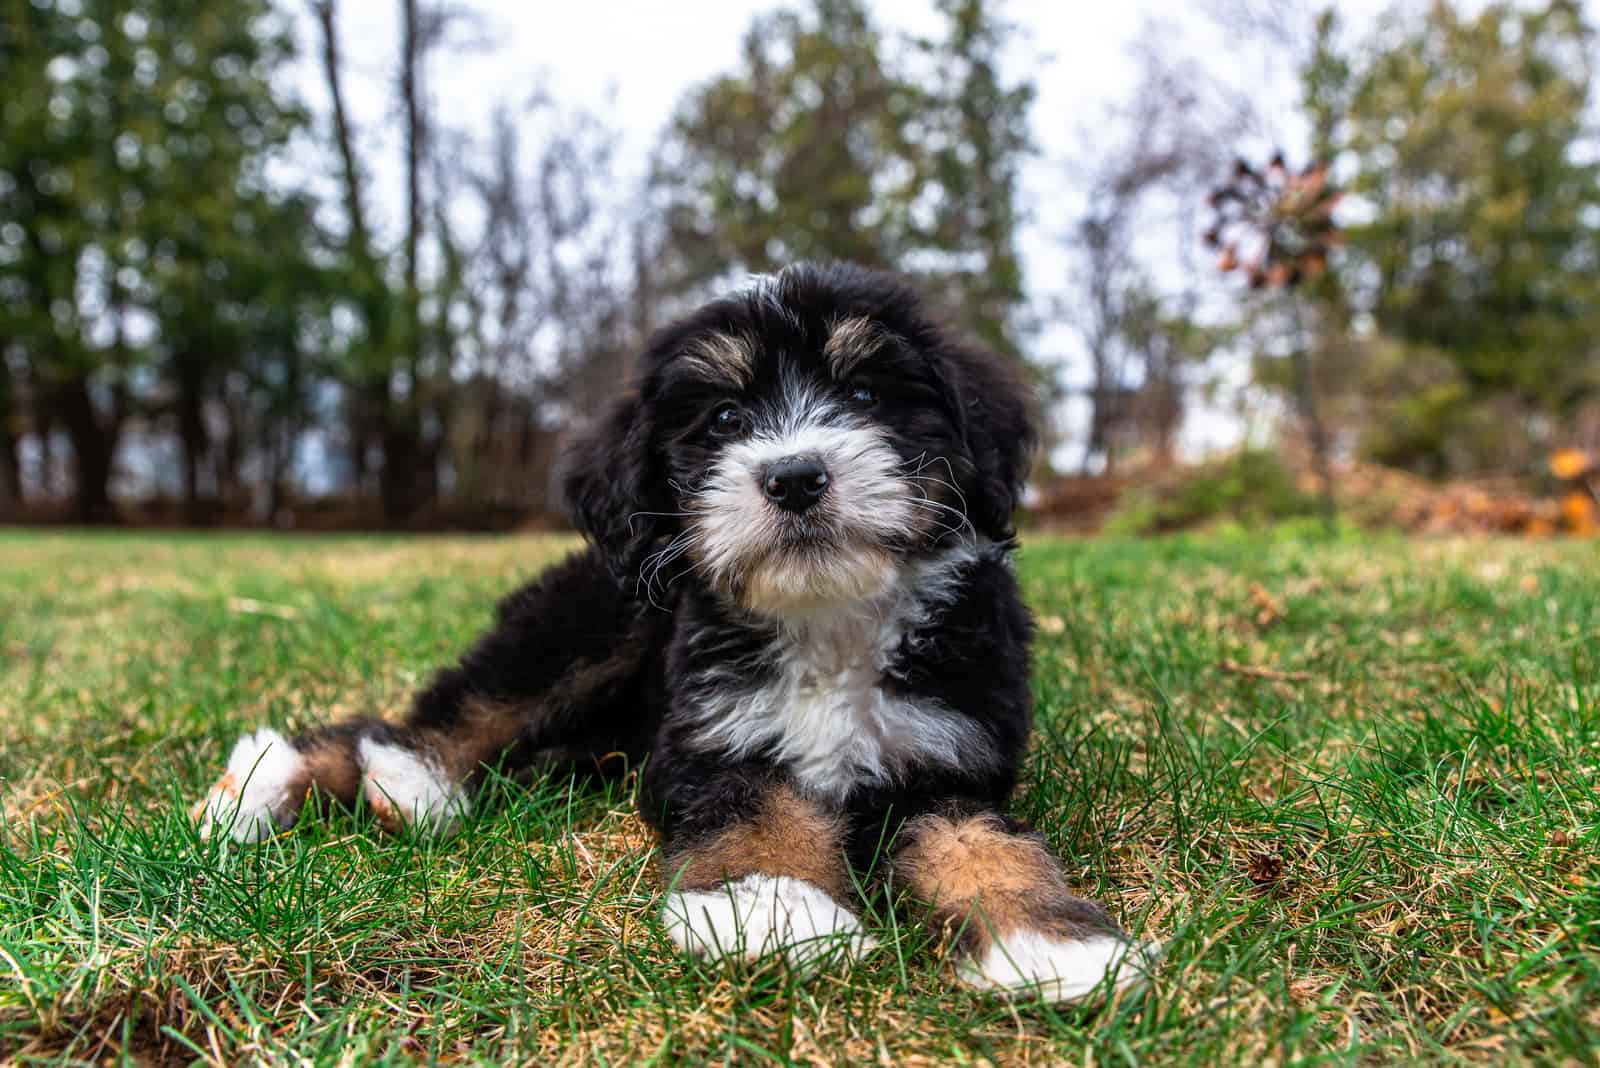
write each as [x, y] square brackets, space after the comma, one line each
[795, 484]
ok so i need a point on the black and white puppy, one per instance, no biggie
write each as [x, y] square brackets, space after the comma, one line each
[798, 615]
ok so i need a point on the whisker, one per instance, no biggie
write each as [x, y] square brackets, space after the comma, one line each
[951, 471]
[939, 507]
[666, 515]
[963, 531]
[950, 485]
[663, 559]
[650, 568]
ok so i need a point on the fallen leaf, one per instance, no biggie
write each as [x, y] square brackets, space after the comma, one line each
[1568, 464]
[1233, 667]
[249, 606]
[1269, 608]
[1264, 868]
[1578, 514]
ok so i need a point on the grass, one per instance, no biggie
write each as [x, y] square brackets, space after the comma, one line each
[1353, 786]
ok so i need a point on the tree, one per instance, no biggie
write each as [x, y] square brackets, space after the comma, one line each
[1170, 345]
[372, 301]
[398, 387]
[545, 298]
[1472, 152]
[834, 141]
[209, 211]
[976, 138]
[1139, 215]
[804, 153]
[279, 305]
[59, 216]
[136, 135]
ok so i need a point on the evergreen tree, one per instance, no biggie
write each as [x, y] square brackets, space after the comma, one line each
[1480, 262]
[835, 141]
[133, 143]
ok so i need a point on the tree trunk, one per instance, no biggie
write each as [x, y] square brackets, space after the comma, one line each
[231, 451]
[410, 60]
[279, 457]
[94, 448]
[44, 428]
[1306, 401]
[193, 437]
[1165, 391]
[10, 471]
[1095, 442]
[397, 482]
[343, 136]
[284, 435]
[367, 392]
[401, 481]
[10, 460]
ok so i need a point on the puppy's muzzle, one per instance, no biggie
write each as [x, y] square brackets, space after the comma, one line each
[795, 483]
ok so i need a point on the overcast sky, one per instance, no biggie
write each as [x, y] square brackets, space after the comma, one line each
[632, 60]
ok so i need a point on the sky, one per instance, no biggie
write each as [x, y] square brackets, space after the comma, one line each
[630, 61]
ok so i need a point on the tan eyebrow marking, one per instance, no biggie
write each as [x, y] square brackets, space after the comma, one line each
[723, 356]
[852, 340]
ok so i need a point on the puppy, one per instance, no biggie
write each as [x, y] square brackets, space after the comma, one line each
[798, 615]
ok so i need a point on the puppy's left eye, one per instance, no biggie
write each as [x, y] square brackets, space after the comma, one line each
[863, 396]
[727, 421]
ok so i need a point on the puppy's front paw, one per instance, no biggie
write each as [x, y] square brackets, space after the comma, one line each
[1033, 964]
[257, 794]
[761, 914]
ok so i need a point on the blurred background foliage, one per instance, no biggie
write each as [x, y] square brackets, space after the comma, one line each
[205, 316]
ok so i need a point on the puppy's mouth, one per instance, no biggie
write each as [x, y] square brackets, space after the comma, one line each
[807, 575]
[811, 522]
[800, 534]
[791, 565]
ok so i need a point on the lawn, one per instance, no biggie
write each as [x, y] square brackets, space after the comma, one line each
[1353, 787]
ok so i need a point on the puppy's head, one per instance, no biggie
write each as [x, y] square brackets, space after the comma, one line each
[794, 444]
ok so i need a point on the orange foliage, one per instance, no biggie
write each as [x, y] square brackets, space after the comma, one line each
[1578, 514]
[1569, 464]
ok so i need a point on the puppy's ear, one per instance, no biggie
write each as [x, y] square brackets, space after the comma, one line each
[611, 485]
[995, 407]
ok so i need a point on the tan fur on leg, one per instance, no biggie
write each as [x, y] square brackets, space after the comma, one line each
[485, 731]
[772, 882]
[1019, 926]
[788, 835]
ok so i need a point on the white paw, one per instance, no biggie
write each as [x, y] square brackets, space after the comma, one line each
[255, 796]
[405, 790]
[761, 914]
[1032, 964]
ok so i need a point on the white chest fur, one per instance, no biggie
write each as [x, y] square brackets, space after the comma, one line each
[822, 709]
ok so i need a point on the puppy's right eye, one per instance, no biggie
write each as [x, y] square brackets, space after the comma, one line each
[727, 421]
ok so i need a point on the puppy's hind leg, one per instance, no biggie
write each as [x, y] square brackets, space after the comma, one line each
[270, 779]
[409, 776]
[260, 792]
[561, 675]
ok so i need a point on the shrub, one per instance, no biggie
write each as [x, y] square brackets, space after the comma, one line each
[1251, 487]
